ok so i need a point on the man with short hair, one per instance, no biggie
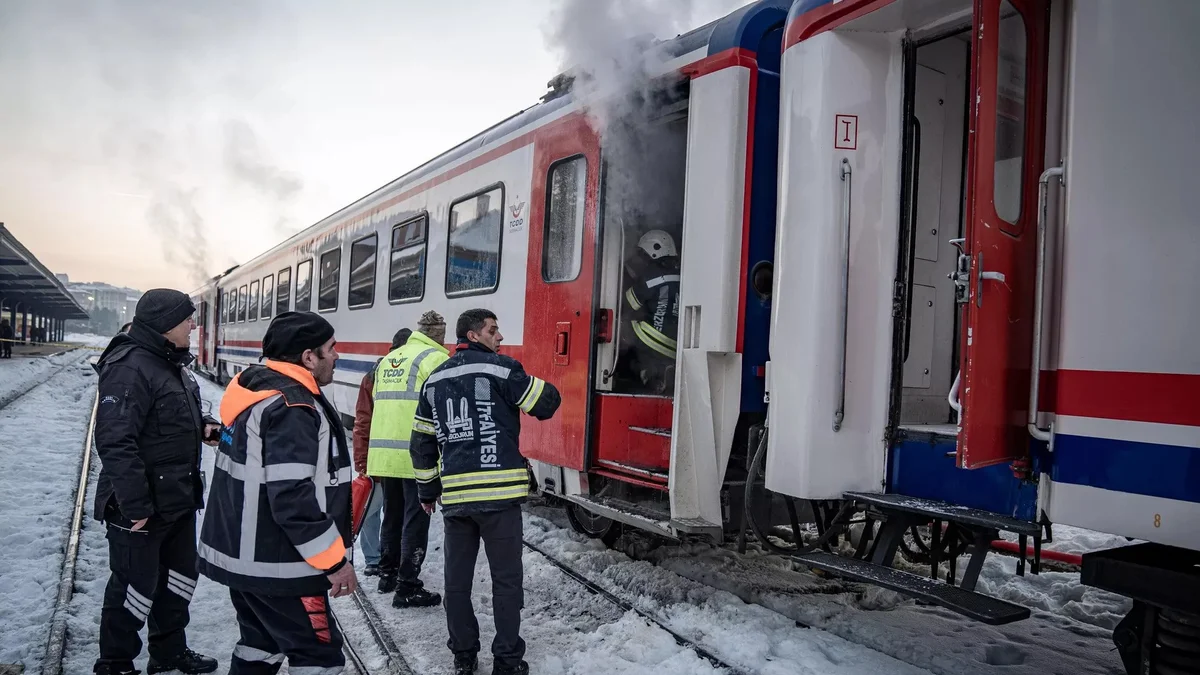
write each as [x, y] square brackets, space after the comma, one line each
[278, 524]
[465, 450]
[405, 534]
[364, 409]
[149, 427]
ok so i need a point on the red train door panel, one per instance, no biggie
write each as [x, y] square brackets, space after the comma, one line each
[559, 287]
[1005, 157]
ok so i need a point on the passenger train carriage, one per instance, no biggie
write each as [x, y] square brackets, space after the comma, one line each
[962, 227]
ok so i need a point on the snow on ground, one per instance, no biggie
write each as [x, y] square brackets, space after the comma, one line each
[20, 373]
[88, 339]
[41, 446]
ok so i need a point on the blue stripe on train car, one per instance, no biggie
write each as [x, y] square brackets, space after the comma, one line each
[1150, 469]
[923, 466]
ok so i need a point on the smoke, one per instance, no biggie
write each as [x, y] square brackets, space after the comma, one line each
[246, 162]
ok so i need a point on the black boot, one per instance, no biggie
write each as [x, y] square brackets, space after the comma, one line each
[521, 668]
[465, 664]
[114, 669]
[188, 662]
[418, 598]
[387, 582]
[371, 570]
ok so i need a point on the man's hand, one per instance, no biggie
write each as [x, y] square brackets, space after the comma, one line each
[344, 581]
[139, 524]
[429, 508]
[211, 430]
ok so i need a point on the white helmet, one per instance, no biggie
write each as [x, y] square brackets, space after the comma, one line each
[658, 244]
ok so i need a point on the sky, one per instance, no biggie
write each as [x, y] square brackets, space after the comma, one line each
[151, 143]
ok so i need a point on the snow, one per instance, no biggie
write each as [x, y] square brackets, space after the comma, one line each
[41, 446]
[88, 339]
[21, 373]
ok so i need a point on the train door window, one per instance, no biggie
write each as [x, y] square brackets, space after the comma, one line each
[204, 314]
[331, 270]
[406, 272]
[252, 310]
[225, 307]
[304, 286]
[268, 295]
[283, 292]
[243, 297]
[1010, 117]
[562, 242]
[473, 253]
[362, 272]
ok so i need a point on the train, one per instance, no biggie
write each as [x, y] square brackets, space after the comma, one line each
[935, 269]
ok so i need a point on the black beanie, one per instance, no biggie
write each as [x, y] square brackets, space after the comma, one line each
[161, 309]
[401, 337]
[291, 333]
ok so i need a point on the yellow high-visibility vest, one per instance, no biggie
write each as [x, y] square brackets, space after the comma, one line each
[398, 383]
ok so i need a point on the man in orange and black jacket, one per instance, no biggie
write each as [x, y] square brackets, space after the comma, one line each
[277, 531]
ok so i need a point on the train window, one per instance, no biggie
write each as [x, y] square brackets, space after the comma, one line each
[225, 307]
[204, 314]
[252, 312]
[304, 286]
[243, 296]
[473, 253]
[1010, 115]
[283, 292]
[562, 241]
[406, 272]
[362, 272]
[268, 295]
[331, 270]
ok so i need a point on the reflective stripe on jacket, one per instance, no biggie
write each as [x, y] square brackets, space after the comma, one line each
[465, 440]
[278, 515]
[655, 302]
[398, 382]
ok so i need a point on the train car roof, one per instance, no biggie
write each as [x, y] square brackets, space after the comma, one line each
[743, 28]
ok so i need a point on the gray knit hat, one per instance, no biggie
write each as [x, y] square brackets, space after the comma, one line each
[430, 319]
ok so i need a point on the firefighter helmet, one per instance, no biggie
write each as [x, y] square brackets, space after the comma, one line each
[658, 244]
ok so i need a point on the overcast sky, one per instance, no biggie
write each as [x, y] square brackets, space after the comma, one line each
[144, 142]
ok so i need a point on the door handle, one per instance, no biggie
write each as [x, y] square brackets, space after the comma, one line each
[560, 343]
[985, 276]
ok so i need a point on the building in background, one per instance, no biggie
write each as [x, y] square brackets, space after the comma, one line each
[109, 306]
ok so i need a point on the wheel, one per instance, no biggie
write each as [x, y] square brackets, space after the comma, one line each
[593, 526]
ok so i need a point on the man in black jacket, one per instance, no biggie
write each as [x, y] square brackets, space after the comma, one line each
[465, 451]
[277, 531]
[149, 427]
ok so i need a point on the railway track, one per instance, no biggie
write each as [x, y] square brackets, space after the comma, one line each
[14, 396]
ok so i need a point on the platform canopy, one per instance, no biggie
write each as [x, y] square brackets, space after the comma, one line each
[25, 280]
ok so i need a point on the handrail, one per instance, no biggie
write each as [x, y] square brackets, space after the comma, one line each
[839, 413]
[616, 332]
[1035, 369]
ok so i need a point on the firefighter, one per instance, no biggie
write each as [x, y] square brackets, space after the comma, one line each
[405, 532]
[465, 451]
[653, 297]
[364, 408]
[278, 526]
[149, 426]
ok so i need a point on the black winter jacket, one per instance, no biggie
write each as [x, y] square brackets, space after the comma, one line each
[149, 427]
[466, 434]
[278, 518]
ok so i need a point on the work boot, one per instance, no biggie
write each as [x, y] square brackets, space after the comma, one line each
[188, 662]
[521, 668]
[418, 598]
[387, 582]
[114, 669]
[371, 570]
[465, 664]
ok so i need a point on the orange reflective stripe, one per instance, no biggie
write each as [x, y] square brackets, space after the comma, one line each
[297, 373]
[238, 399]
[330, 556]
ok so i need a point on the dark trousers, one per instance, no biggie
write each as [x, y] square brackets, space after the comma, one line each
[501, 534]
[6, 350]
[274, 627]
[404, 534]
[153, 577]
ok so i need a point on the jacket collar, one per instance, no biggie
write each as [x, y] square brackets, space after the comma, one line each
[297, 373]
[424, 339]
[468, 346]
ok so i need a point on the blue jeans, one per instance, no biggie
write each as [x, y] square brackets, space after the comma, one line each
[368, 535]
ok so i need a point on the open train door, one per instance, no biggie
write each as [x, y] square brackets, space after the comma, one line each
[1004, 159]
[559, 306]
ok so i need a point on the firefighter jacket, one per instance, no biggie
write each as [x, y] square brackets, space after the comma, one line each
[465, 440]
[654, 298]
[398, 383]
[148, 428]
[278, 517]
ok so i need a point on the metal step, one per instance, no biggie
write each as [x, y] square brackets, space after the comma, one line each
[938, 510]
[977, 606]
[653, 431]
[1159, 575]
[629, 514]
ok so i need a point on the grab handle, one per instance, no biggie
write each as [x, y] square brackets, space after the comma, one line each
[1035, 367]
[839, 413]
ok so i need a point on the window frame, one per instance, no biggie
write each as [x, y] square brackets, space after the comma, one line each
[262, 303]
[243, 292]
[253, 301]
[374, 273]
[424, 215]
[548, 212]
[499, 250]
[337, 290]
[287, 298]
[309, 262]
[224, 307]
